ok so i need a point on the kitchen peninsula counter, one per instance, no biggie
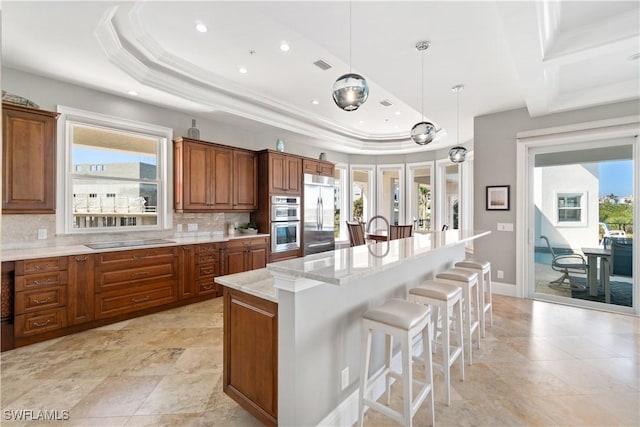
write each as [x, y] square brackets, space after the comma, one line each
[317, 308]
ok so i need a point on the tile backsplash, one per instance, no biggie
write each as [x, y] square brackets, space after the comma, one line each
[21, 231]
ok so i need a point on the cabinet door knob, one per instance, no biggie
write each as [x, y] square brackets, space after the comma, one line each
[140, 299]
[41, 324]
[44, 301]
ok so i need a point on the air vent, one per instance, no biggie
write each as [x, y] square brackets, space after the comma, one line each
[386, 103]
[324, 66]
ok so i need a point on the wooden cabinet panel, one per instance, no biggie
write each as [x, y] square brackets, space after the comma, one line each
[40, 265]
[36, 281]
[80, 289]
[318, 167]
[111, 279]
[41, 321]
[135, 298]
[244, 254]
[235, 261]
[294, 175]
[141, 257]
[29, 160]
[251, 354]
[222, 197]
[284, 173]
[197, 176]
[257, 258]
[245, 176]
[187, 286]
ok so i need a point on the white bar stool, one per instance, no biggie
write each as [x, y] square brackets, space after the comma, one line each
[404, 320]
[444, 298]
[468, 281]
[483, 268]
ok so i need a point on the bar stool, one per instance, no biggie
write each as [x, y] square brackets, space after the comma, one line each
[404, 320]
[468, 281]
[443, 298]
[483, 268]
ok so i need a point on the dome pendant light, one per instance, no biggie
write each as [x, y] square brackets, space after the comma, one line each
[423, 133]
[350, 91]
[457, 153]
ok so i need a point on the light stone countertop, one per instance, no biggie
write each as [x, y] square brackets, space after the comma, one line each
[345, 265]
[80, 249]
[258, 283]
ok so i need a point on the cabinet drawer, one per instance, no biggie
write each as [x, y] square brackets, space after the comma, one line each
[242, 243]
[40, 265]
[128, 300]
[206, 270]
[206, 286]
[136, 257]
[39, 299]
[207, 249]
[39, 322]
[127, 276]
[207, 258]
[37, 281]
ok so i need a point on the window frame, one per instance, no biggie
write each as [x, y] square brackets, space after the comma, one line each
[64, 213]
[584, 212]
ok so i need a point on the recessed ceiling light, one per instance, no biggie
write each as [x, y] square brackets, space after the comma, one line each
[361, 122]
[242, 70]
[634, 57]
[201, 27]
[133, 93]
[397, 113]
[284, 46]
[315, 102]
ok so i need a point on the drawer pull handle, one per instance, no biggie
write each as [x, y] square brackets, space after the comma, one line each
[44, 282]
[209, 271]
[82, 259]
[207, 287]
[140, 273]
[42, 324]
[139, 256]
[140, 299]
[44, 301]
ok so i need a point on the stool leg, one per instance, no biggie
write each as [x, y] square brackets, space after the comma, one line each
[476, 301]
[489, 297]
[466, 293]
[407, 378]
[428, 370]
[388, 353]
[446, 357]
[481, 291]
[458, 325]
[364, 371]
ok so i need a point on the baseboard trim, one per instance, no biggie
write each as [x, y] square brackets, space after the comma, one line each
[506, 289]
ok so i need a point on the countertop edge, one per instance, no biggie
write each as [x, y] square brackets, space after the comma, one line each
[259, 283]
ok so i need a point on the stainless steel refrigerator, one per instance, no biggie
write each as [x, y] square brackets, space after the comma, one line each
[318, 214]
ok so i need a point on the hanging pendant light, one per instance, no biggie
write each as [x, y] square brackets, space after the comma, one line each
[457, 153]
[423, 133]
[350, 91]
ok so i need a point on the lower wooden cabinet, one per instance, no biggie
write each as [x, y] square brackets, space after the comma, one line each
[81, 287]
[127, 300]
[244, 255]
[251, 354]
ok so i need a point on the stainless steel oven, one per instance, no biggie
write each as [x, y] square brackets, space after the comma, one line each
[285, 236]
[285, 208]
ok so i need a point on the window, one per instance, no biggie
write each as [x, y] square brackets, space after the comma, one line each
[340, 202]
[419, 186]
[570, 207]
[115, 174]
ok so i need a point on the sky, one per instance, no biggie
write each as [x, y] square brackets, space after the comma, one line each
[616, 177]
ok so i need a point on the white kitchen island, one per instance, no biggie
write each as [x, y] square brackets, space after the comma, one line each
[321, 299]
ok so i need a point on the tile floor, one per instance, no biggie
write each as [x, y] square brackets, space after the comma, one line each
[540, 364]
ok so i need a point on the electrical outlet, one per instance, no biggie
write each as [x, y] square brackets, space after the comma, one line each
[344, 378]
[500, 274]
[42, 233]
[192, 227]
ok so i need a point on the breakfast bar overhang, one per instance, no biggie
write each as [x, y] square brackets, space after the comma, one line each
[321, 299]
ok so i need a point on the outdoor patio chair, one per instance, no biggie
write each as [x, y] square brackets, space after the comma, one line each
[621, 255]
[565, 264]
[356, 233]
[400, 231]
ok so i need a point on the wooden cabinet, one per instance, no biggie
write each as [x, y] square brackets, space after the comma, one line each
[7, 292]
[318, 167]
[211, 177]
[245, 176]
[187, 287]
[40, 303]
[29, 160]
[81, 288]
[282, 172]
[129, 281]
[250, 373]
[207, 268]
[244, 254]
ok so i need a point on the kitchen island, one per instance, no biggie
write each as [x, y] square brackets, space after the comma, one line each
[320, 301]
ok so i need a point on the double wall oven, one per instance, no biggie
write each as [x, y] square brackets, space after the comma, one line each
[285, 223]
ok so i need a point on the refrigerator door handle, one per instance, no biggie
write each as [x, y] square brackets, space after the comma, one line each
[321, 210]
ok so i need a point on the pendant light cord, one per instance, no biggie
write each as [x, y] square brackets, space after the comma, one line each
[349, 36]
[422, 89]
[458, 115]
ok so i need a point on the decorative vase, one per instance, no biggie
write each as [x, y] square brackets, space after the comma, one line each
[323, 156]
[193, 132]
[280, 145]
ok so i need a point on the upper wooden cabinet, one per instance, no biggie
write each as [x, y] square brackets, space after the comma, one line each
[317, 167]
[212, 177]
[29, 160]
[283, 172]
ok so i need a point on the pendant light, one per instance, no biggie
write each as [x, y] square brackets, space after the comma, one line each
[423, 133]
[350, 91]
[457, 153]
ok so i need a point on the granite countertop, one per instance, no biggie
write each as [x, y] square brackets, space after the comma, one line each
[258, 283]
[344, 265]
[80, 249]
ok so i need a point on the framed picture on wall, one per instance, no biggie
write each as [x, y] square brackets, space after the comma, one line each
[498, 197]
